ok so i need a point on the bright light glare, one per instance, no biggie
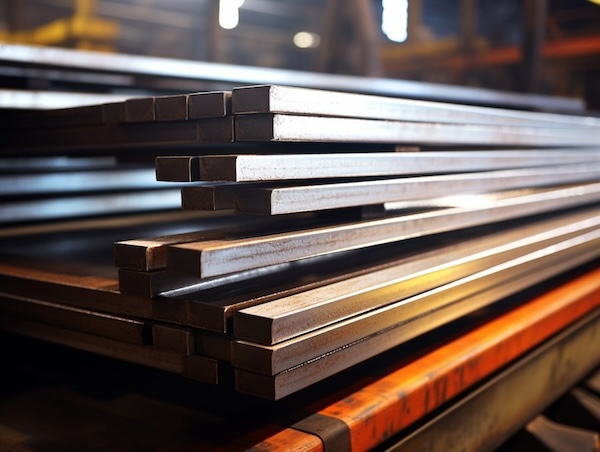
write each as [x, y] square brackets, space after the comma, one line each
[306, 40]
[229, 13]
[394, 22]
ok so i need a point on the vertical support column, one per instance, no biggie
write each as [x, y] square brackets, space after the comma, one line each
[534, 19]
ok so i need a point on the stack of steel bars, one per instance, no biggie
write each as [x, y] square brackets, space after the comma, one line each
[369, 221]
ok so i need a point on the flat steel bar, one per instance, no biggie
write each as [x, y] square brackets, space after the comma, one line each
[200, 368]
[53, 100]
[285, 383]
[171, 108]
[214, 345]
[284, 318]
[416, 314]
[167, 68]
[174, 338]
[177, 168]
[212, 104]
[113, 136]
[147, 254]
[216, 257]
[491, 420]
[79, 181]
[140, 110]
[113, 113]
[124, 329]
[302, 101]
[294, 128]
[307, 198]
[152, 283]
[385, 401]
[55, 164]
[81, 206]
[81, 286]
[258, 168]
[210, 197]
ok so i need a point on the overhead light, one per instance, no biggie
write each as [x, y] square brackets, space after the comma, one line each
[597, 2]
[306, 40]
[229, 13]
[394, 21]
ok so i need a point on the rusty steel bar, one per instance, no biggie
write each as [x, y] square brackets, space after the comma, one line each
[492, 417]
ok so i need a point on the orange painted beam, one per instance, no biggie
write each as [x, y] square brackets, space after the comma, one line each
[384, 407]
[395, 62]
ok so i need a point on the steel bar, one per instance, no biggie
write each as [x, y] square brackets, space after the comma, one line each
[178, 168]
[216, 257]
[79, 181]
[80, 286]
[148, 254]
[210, 197]
[302, 101]
[258, 168]
[213, 309]
[55, 164]
[140, 110]
[386, 401]
[209, 130]
[212, 104]
[278, 127]
[416, 314]
[485, 418]
[53, 100]
[294, 379]
[174, 338]
[171, 108]
[198, 367]
[307, 198]
[124, 329]
[102, 64]
[81, 206]
[286, 317]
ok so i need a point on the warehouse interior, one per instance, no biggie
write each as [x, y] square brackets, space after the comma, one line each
[284, 225]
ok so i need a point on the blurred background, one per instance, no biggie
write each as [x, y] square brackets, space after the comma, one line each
[538, 46]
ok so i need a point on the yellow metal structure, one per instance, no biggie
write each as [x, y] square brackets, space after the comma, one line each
[83, 29]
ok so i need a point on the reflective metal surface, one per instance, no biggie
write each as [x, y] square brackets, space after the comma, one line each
[301, 101]
[250, 168]
[216, 257]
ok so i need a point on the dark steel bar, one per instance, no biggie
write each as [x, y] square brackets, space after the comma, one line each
[112, 326]
[171, 108]
[213, 104]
